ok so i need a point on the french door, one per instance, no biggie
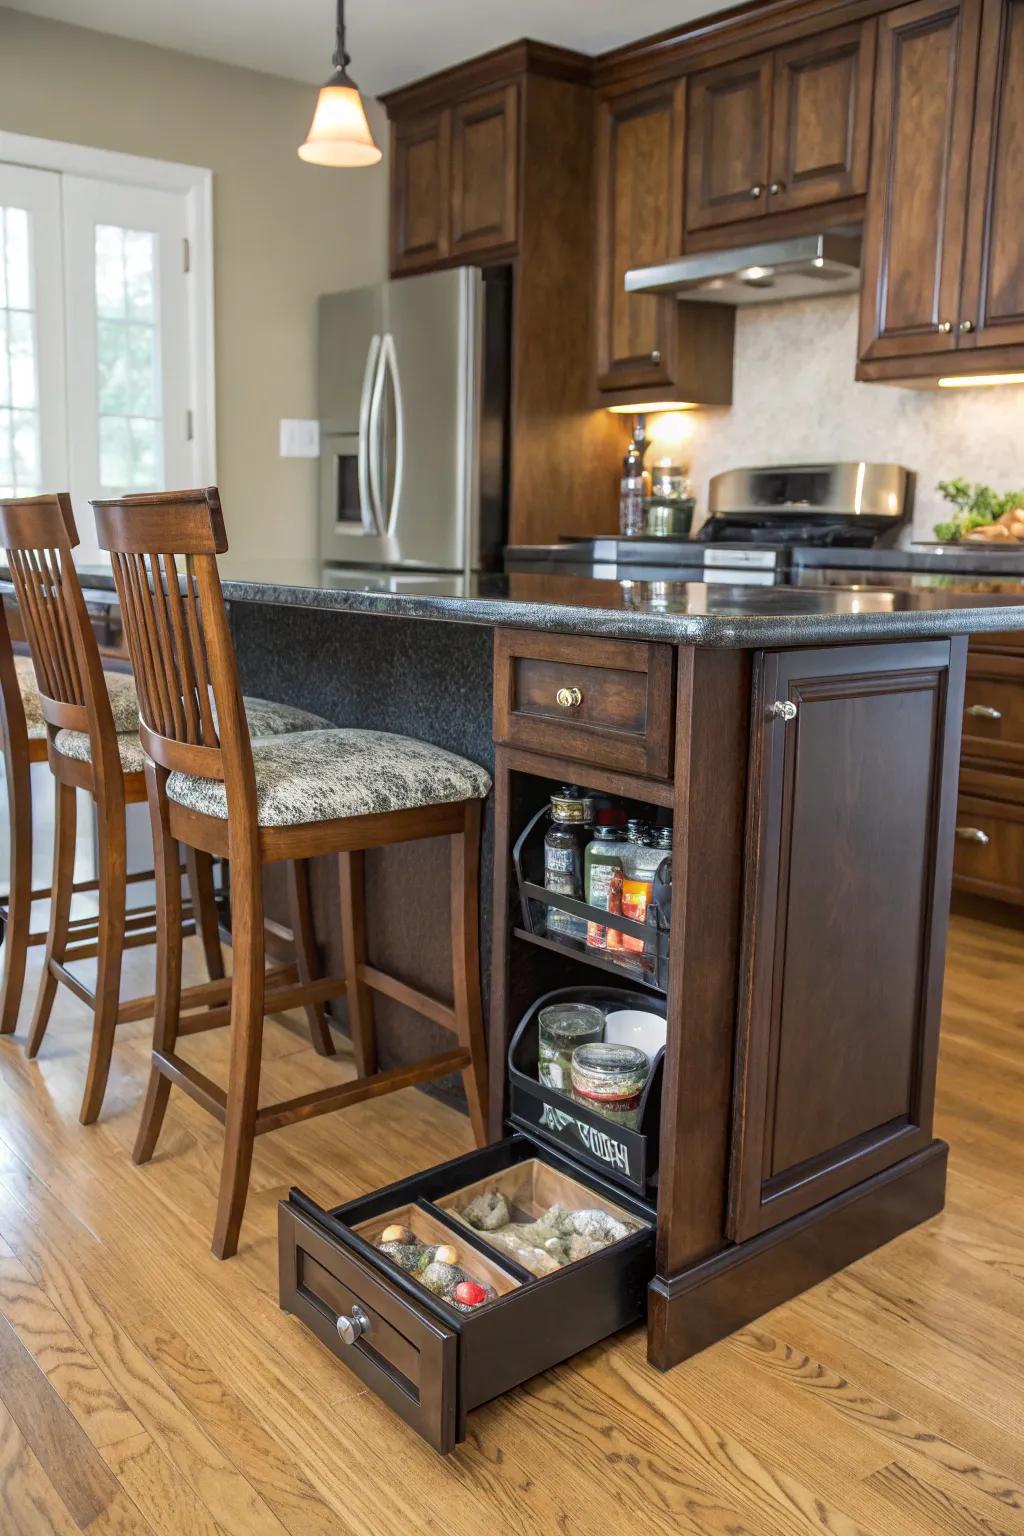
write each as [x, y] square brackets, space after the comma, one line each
[95, 340]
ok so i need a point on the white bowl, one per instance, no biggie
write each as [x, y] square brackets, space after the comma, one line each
[635, 1026]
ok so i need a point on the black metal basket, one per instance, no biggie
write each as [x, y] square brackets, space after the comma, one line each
[629, 1156]
[649, 967]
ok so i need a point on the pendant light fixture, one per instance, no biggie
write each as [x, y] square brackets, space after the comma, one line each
[339, 134]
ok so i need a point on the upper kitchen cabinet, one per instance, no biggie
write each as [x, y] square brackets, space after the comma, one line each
[992, 297]
[485, 167]
[649, 347]
[943, 241]
[420, 177]
[778, 133]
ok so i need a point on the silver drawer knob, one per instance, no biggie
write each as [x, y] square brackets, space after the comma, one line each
[973, 835]
[756, 189]
[983, 712]
[777, 187]
[353, 1327]
[945, 326]
[967, 326]
[655, 356]
[782, 709]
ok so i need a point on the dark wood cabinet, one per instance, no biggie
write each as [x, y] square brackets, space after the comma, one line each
[420, 177]
[485, 168]
[850, 842]
[639, 222]
[992, 300]
[728, 143]
[780, 132]
[914, 231]
[821, 118]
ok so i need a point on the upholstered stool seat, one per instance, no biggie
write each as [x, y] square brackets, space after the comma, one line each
[330, 774]
[265, 718]
[124, 702]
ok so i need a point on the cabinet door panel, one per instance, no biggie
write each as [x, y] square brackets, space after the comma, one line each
[993, 294]
[639, 181]
[914, 229]
[839, 1018]
[821, 129]
[485, 160]
[728, 128]
[420, 191]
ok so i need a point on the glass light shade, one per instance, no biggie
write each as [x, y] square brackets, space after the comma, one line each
[339, 134]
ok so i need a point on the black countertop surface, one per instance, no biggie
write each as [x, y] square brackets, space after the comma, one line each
[812, 606]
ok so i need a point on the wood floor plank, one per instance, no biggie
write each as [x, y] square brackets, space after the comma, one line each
[29, 1503]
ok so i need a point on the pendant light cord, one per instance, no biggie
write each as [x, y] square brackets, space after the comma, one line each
[341, 58]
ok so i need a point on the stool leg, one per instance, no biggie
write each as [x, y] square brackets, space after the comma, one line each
[113, 869]
[358, 1003]
[465, 882]
[204, 906]
[19, 902]
[247, 991]
[64, 822]
[301, 917]
[168, 962]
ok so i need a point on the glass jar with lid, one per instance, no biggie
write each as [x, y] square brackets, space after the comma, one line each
[610, 1079]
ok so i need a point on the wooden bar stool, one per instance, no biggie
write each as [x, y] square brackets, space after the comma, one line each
[86, 751]
[317, 792]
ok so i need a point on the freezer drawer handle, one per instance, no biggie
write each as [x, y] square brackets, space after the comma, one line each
[353, 1327]
[973, 835]
[984, 712]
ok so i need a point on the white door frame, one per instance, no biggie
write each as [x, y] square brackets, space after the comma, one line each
[196, 182]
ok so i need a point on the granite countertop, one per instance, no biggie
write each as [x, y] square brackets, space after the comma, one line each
[813, 606]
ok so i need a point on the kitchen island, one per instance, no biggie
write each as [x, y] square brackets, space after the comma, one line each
[803, 743]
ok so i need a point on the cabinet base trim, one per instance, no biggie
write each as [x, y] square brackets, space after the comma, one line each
[691, 1311]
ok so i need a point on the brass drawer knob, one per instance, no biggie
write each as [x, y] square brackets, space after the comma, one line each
[569, 698]
[973, 835]
[984, 712]
[967, 326]
[354, 1326]
[783, 709]
[945, 326]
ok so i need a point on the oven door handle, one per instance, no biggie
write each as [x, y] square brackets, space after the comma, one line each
[367, 505]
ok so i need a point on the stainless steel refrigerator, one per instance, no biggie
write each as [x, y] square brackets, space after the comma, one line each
[413, 399]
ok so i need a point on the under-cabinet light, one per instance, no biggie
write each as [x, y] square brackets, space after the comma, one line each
[648, 407]
[980, 380]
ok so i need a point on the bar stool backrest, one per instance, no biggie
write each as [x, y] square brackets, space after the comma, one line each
[191, 715]
[39, 534]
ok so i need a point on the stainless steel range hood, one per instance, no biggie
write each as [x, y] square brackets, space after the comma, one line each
[805, 267]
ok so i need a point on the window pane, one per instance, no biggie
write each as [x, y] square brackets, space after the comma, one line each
[139, 274]
[20, 453]
[110, 271]
[112, 363]
[146, 455]
[143, 383]
[115, 453]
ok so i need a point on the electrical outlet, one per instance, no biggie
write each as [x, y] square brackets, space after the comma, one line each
[300, 439]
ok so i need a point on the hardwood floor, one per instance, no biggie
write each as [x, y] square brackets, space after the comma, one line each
[146, 1389]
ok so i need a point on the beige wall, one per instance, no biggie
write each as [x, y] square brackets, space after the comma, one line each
[795, 401]
[284, 232]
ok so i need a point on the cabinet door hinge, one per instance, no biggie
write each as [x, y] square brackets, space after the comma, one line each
[186, 255]
[189, 426]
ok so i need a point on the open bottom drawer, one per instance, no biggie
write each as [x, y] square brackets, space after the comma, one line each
[430, 1362]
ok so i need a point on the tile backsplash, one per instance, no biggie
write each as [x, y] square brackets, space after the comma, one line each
[795, 400]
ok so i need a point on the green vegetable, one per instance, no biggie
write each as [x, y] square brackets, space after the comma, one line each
[976, 507]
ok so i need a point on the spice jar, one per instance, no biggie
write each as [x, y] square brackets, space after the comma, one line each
[562, 1027]
[610, 1079]
[572, 806]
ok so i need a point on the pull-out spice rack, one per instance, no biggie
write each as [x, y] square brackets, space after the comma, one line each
[626, 1155]
[648, 968]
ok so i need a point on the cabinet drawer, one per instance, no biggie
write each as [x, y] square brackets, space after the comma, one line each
[429, 1362]
[607, 702]
[988, 858]
[994, 708]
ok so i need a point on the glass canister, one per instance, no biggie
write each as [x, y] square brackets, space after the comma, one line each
[562, 1027]
[610, 1079]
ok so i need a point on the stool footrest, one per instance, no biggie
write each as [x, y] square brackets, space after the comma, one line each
[324, 1100]
[409, 997]
[195, 1083]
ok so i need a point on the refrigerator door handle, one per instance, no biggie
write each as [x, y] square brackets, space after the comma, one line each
[389, 361]
[376, 444]
[367, 504]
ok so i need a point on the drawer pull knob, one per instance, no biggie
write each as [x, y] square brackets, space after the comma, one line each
[353, 1327]
[569, 698]
[783, 709]
[984, 712]
[973, 835]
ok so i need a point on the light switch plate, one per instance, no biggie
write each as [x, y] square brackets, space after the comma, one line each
[300, 439]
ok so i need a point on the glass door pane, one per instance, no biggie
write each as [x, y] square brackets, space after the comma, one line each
[32, 406]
